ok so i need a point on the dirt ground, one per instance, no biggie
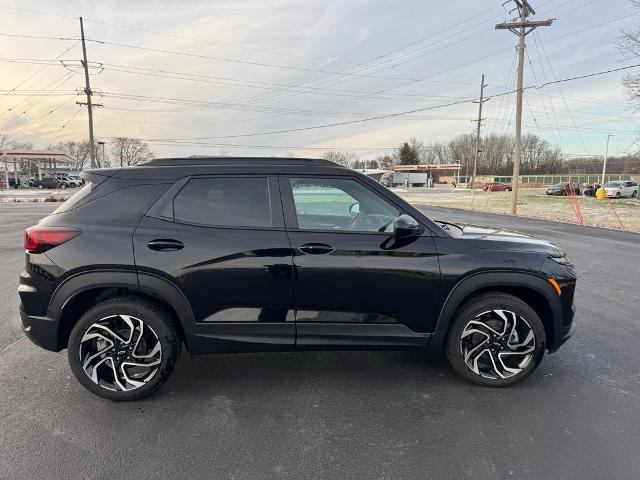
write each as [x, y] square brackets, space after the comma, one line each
[621, 214]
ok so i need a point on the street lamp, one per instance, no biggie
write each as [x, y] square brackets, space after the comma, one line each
[103, 160]
[601, 193]
[606, 155]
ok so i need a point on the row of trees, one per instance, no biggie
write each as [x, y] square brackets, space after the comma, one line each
[123, 151]
[496, 155]
[118, 151]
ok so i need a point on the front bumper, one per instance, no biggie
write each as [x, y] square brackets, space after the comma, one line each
[43, 331]
[568, 333]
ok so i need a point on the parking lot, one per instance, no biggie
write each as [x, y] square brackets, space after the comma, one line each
[342, 415]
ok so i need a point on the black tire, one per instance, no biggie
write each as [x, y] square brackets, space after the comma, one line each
[157, 321]
[634, 194]
[617, 194]
[488, 303]
[40, 186]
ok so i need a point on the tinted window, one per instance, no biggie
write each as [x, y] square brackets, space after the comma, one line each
[75, 198]
[234, 202]
[340, 204]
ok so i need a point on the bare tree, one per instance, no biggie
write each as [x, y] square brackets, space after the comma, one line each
[629, 46]
[127, 151]
[7, 142]
[77, 151]
[462, 149]
[346, 159]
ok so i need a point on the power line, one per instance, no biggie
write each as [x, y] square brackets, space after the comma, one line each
[279, 96]
[398, 114]
[235, 60]
[34, 74]
[37, 12]
[39, 37]
[68, 121]
[255, 84]
[48, 113]
[51, 87]
[364, 65]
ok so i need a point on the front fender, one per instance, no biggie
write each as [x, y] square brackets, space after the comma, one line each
[495, 279]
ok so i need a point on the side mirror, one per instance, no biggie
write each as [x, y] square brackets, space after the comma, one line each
[406, 226]
[354, 209]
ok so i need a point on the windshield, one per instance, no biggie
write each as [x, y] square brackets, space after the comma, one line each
[613, 184]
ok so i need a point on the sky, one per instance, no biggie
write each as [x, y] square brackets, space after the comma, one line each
[260, 77]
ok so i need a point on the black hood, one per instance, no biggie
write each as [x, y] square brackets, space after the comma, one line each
[499, 239]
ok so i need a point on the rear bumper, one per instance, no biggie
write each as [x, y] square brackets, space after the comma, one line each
[42, 331]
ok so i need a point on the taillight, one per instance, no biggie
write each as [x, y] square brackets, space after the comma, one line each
[39, 239]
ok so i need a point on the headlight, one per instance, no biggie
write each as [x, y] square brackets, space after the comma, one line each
[563, 260]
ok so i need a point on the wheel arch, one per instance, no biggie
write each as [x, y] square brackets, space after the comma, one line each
[534, 290]
[82, 291]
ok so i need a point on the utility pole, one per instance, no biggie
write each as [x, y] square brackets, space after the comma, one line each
[606, 156]
[521, 28]
[475, 158]
[87, 90]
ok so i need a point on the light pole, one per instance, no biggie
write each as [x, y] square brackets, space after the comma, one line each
[102, 143]
[606, 155]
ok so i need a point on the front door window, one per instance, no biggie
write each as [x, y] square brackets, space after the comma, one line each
[339, 204]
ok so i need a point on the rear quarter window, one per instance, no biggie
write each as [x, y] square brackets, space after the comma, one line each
[75, 198]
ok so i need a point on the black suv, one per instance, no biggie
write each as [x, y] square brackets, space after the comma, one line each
[277, 254]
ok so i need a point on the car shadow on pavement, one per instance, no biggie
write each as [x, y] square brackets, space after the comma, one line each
[290, 372]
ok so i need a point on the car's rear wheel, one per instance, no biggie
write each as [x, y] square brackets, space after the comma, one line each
[634, 194]
[124, 348]
[496, 340]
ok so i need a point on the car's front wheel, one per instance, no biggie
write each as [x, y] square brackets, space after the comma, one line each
[496, 340]
[124, 348]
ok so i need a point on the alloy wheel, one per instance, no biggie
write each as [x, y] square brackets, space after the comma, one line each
[497, 344]
[120, 353]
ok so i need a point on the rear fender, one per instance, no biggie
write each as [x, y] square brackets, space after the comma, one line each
[145, 284]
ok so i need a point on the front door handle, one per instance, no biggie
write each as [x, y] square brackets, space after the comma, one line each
[165, 244]
[316, 248]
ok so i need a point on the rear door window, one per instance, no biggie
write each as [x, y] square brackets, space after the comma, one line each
[224, 201]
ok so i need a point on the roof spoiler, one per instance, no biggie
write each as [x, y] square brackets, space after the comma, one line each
[98, 175]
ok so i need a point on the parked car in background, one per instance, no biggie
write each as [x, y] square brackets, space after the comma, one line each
[66, 182]
[497, 187]
[590, 190]
[48, 182]
[79, 181]
[69, 181]
[621, 188]
[563, 188]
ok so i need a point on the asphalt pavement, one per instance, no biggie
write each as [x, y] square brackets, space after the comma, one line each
[344, 415]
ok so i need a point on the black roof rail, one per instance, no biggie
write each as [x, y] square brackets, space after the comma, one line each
[202, 160]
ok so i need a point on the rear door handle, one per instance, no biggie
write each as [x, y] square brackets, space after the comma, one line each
[165, 244]
[316, 248]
